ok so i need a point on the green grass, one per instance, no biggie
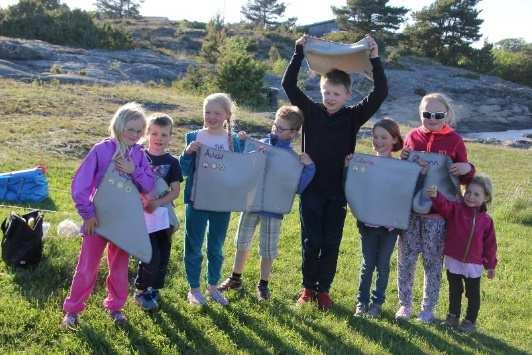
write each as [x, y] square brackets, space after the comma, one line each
[58, 123]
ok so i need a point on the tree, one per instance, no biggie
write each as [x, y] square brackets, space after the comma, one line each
[263, 13]
[213, 41]
[445, 29]
[514, 45]
[119, 8]
[360, 17]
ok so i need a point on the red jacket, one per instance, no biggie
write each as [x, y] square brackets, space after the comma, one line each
[477, 246]
[445, 141]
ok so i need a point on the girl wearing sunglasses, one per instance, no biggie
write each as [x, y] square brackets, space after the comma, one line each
[425, 233]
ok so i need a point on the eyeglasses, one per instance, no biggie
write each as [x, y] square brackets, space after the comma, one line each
[436, 115]
[281, 129]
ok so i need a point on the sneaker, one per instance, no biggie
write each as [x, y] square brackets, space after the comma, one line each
[216, 295]
[230, 284]
[118, 317]
[374, 310]
[467, 326]
[155, 294]
[196, 297]
[146, 299]
[451, 321]
[425, 316]
[361, 309]
[403, 313]
[70, 321]
[306, 295]
[324, 301]
[263, 293]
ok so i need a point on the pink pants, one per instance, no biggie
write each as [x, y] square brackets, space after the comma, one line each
[86, 272]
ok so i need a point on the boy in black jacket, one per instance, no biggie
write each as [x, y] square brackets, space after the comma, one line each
[329, 135]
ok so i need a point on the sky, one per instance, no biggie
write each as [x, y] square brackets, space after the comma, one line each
[502, 18]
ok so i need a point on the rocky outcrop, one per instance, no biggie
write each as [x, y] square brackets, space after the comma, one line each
[37, 60]
[482, 102]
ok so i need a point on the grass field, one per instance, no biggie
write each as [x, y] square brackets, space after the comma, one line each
[56, 124]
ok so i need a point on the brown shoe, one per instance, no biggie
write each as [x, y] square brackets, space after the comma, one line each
[324, 301]
[230, 284]
[306, 295]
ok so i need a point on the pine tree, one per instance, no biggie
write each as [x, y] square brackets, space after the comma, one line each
[213, 41]
[360, 17]
[119, 8]
[263, 13]
[445, 29]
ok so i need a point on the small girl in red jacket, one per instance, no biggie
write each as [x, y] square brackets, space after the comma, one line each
[470, 247]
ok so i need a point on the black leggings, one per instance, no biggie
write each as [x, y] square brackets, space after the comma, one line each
[472, 292]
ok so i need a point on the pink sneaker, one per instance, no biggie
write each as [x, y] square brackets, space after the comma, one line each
[403, 313]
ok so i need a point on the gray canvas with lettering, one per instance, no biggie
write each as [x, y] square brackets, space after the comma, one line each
[281, 178]
[226, 181]
[438, 174]
[120, 214]
[379, 190]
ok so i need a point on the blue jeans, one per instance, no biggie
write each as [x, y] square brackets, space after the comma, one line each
[377, 249]
[196, 222]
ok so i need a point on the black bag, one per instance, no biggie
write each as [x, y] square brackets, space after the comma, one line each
[22, 242]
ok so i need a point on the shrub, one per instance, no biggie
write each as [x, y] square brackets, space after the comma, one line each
[54, 23]
[513, 66]
[198, 80]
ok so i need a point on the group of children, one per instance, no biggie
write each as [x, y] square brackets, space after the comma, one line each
[462, 231]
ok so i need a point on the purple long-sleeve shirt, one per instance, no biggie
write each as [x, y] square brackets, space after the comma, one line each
[92, 169]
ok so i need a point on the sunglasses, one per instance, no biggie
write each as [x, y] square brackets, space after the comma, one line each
[436, 115]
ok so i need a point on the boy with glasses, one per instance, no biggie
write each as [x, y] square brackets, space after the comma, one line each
[288, 121]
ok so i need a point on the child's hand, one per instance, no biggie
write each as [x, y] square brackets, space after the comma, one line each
[193, 147]
[262, 149]
[458, 169]
[151, 206]
[347, 159]
[304, 158]
[491, 274]
[124, 166]
[405, 153]
[90, 224]
[242, 135]
[373, 46]
[431, 191]
[302, 40]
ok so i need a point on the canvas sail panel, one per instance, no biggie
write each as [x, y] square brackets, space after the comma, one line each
[281, 178]
[379, 190]
[323, 56]
[438, 174]
[120, 214]
[225, 181]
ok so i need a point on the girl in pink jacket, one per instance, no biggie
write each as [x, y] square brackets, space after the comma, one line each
[470, 247]
[127, 127]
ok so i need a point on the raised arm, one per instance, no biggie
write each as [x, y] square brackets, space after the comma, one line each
[289, 82]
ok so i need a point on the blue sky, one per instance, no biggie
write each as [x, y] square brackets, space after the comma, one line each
[502, 18]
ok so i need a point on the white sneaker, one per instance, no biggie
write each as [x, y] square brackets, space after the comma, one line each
[196, 297]
[216, 295]
[425, 316]
[404, 312]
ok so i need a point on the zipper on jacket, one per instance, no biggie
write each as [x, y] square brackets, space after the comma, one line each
[468, 245]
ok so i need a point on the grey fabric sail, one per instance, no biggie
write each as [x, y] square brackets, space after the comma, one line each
[225, 181]
[323, 56]
[379, 190]
[120, 214]
[281, 178]
[438, 174]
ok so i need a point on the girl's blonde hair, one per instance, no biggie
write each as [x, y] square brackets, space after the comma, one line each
[484, 182]
[229, 106]
[445, 101]
[125, 113]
